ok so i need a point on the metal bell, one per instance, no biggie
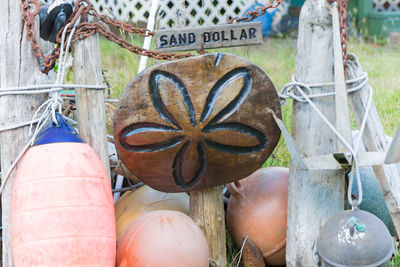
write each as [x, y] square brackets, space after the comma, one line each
[355, 238]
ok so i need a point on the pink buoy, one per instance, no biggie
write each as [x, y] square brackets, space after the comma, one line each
[62, 211]
[163, 238]
[133, 204]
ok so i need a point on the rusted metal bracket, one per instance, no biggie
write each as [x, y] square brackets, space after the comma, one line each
[344, 159]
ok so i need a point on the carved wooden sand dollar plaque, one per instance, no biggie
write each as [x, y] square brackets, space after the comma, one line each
[196, 123]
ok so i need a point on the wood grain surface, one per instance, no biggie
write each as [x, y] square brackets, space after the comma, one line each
[205, 37]
[197, 123]
[252, 256]
[20, 68]
[90, 103]
[314, 196]
[207, 211]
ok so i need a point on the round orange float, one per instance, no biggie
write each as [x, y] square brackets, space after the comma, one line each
[257, 209]
[133, 204]
[163, 239]
[62, 211]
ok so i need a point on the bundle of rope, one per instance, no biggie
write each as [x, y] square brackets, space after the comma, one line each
[303, 93]
[46, 111]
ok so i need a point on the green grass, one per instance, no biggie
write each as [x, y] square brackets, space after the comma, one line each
[383, 66]
[277, 58]
[395, 261]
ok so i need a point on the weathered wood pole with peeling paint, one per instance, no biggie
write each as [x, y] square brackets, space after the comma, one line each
[90, 103]
[375, 139]
[22, 68]
[313, 196]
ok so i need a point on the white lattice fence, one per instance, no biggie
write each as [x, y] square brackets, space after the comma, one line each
[176, 13]
[386, 5]
[202, 12]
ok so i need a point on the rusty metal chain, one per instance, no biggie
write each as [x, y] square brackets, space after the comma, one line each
[29, 16]
[83, 8]
[343, 6]
[259, 11]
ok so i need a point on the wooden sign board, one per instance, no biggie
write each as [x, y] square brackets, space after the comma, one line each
[196, 123]
[196, 38]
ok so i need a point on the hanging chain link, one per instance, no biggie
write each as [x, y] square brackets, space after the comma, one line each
[83, 8]
[343, 6]
[259, 11]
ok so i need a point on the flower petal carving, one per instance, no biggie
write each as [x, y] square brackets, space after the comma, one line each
[245, 130]
[150, 130]
[181, 166]
[219, 87]
[166, 115]
[196, 123]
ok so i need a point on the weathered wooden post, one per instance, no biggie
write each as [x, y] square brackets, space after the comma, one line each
[316, 195]
[207, 210]
[374, 139]
[89, 102]
[22, 69]
[393, 154]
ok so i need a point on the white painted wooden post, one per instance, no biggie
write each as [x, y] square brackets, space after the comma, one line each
[19, 67]
[313, 196]
[90, 103]
[147, 40]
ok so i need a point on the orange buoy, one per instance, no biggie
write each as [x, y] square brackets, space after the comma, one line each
[163, 238]
[133, 204]
[257, 208]
[62, 211]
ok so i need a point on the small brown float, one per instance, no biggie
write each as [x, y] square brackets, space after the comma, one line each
[257, 209]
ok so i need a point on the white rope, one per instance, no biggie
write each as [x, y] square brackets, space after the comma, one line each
[16, 126]
[31, 89]
[289, 91]
[71, 121]
[107, 100]
[111, 100]
[52, 88]
[49, 108]
[354, 80]
[55, 102]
